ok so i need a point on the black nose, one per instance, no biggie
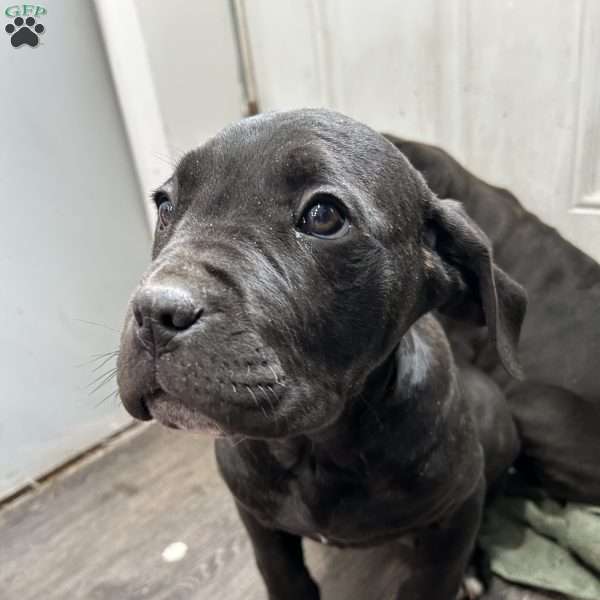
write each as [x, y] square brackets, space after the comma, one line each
[163, 311]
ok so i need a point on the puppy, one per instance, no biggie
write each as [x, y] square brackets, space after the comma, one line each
[297, 260]
[557, 407]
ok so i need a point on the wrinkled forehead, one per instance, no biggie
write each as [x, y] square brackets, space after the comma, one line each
[295, 144]
[285, 152]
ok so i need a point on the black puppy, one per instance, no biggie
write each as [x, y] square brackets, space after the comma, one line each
[297, 259]
[557, 407]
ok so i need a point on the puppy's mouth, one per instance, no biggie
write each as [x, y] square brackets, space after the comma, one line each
[242, 390]
[171, 413]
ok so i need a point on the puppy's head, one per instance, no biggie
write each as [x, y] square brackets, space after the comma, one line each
[292, 251]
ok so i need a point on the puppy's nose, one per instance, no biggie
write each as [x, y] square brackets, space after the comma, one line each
[163, 311]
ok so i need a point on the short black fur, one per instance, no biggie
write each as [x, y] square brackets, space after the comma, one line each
[318, 362]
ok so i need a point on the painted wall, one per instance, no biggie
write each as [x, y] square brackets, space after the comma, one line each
[73, 242]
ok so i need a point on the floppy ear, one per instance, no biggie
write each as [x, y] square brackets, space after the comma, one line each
[467, 285]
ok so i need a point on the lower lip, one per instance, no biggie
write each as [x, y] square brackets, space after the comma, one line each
[204, 425]
[140, 410]
[206, 428]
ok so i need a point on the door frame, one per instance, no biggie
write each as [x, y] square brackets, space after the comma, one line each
[133, 80]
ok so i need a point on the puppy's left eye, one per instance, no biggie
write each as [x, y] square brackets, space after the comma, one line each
[323, 218]
[165, 209]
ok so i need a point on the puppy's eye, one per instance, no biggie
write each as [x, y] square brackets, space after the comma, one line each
[165, 209]
[323, 218]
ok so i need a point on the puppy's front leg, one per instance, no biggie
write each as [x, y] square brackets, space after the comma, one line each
[442, 553]
[280, 560]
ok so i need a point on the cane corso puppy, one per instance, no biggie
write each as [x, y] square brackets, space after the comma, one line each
[557, 407]
[288, 308]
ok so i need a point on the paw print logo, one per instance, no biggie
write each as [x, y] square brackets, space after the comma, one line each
[24, 32]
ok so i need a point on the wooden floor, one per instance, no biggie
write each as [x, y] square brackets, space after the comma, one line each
[98, 532]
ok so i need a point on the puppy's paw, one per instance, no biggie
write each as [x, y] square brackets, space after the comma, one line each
[470, 589]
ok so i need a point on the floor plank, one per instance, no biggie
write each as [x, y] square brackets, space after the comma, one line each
[98, 533]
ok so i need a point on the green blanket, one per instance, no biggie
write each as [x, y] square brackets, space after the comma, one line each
[535, 541]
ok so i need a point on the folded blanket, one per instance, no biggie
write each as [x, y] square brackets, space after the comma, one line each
[535, 541]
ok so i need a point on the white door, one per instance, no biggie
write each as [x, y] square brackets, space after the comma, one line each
[512, 89]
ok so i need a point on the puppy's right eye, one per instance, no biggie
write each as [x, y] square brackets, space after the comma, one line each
[324, 218]
[165, 210]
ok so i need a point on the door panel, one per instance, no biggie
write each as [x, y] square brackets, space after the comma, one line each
[511, 88]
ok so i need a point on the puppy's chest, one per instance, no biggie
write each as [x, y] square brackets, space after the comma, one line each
[338, 506]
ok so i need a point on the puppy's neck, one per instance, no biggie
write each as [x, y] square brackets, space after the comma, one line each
[397, 397]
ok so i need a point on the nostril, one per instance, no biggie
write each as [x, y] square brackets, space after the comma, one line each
[164, 309]
[138, 316]
[167, 321]
[187, 318]
[180, 319]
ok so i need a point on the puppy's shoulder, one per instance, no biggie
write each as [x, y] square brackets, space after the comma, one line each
[426, 353]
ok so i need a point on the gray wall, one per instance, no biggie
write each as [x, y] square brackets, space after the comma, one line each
[73, 242]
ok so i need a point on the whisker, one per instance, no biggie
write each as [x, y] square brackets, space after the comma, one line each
[102, 376]
[165, 158]
[258, 405]
[104, 326]
[103, 354]
[99, 386]
[273, 392]
[275, 376]
[103, 363]
[102, 380]
[113, 394]
[97, 357]
[268, 399]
